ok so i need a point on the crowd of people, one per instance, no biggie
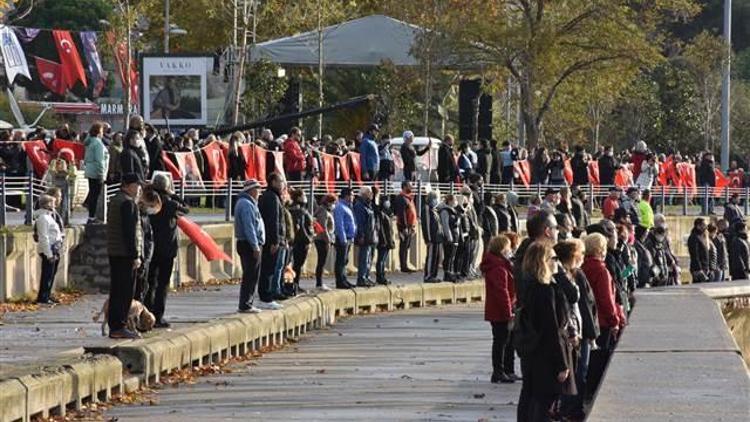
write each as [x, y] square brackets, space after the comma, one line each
[558, 298]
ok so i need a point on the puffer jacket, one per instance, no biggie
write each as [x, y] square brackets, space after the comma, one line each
[450, 224]
[48, 232]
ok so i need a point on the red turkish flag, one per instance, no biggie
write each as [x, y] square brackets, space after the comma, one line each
[79, 150]
[202, 240]
[217, 163]
[356, 167]
[328, 171]
[259, 163]
[171, 166]
[70, 61]
[50, 75]
[38, 155]
[278, 160]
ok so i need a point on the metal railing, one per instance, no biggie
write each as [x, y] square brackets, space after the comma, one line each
[31, 187]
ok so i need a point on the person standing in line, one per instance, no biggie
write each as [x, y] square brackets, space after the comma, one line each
[645, 212]
[699, 252]
[462, 249]
[739, 261]
[369, 155]
[366, 237]
[472, 239]
[498, 306]
[345, 230]
[283, 289]
[406, 222]
[61, 173]
[384, 226]
[387, 167]
[294, 158]
[409, 155]
[506, 157]
[447, 168]
[164, 225]
[545, 366]
[249, 229]
[432, 233]
[148, 204]
[125, 249]
[732, 211]
[720, 243]
[304, 233]
[96, 162]
[134, 156]
[449, 222]
[609, 314]
[271, 210]
[49, 247]
[611, 202]
[114, 168]
[325, 236]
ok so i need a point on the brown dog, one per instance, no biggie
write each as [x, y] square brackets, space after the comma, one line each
[139, 318]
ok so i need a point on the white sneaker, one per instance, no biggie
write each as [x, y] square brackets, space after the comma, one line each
[324, 288]
[250, 310]
[271, 306]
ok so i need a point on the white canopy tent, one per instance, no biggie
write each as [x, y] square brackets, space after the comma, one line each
[367, 41]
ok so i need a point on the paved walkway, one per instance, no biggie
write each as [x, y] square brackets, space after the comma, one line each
[38, 337]
[422, 364]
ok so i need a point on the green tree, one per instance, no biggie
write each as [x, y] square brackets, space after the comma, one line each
[543, 44]
[75, 15]
[263, 90]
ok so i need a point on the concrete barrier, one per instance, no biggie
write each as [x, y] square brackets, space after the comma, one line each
[33, 393]
[406, 296]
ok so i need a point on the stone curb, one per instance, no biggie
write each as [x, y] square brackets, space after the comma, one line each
[95, 378]
[52, 390]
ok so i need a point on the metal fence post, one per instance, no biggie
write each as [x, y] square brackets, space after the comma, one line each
[453, 188]
[747, 199]
[2, 199]
[182, 188]
[28, 217]
[591, 199]
[104, 201]
[538, 190]
[663, 198]
[419, 198]
[684, 200]
[704, 208]
[228, 205]
[311, 197]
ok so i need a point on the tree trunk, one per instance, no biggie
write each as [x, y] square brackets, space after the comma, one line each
[529, 115]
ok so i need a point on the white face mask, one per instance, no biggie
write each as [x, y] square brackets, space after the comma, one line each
[508, 255]
[151, 211]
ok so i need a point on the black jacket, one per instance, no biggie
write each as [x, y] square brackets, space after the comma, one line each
[733, 213]
[409, 156]
[484, 163]
[489, 223]
[164, 226]
[432, 229]
[450, 220]
[663, 260]
[580, 169]
[722, 257]
[739, 260]
[607, 168]
[507, 218]
[155, 147]
[587, 307]
[131, 162]
[237, 165]
[364, 216]
[303, 225]
[271, 209]
[549, 358]
[580, 215]
[384, 225]
[539, 172]
[705, 173]
[496, 169]
[447, 168]
[645, 264]
[698, 249]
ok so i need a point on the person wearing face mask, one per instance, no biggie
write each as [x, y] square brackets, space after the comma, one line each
[384, 225]
[325, 236]
[125, 249]
[657, 244]
[133, 158]
[432, 234]
[148, 204]
[163, 222]
[304, 233]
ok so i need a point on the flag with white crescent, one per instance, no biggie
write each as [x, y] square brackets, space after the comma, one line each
[13, 57]
[70, 60]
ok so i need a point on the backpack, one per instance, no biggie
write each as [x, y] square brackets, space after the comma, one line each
[525, 337]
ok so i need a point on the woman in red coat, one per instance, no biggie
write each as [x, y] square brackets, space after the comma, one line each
[498, 307]
[609, 313]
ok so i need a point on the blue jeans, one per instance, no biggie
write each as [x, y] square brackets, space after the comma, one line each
[364, 260]
[279, 270]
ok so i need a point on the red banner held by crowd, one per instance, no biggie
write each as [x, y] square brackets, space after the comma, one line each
[79, 150]
[722, 182]
[216, 160]
[189, 169]
[356, 167]
[202, 240]
[524, 171]
[568, 172]
[343, 163]
[594, 173]
[328, 172]
[38, 155]
[624, 177]
[278, 160]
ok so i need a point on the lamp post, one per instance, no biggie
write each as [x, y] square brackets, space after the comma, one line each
[726, 85]
[166, 26]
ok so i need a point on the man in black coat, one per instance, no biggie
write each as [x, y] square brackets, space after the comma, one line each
[164, 226]
[580, 165]
[496, 169]
[447, 168]
[739, 259]
[607, 166]
[154, 146]
[706, 177]
[409, 155]
[484, 160]
[271, 209]
[732, 211]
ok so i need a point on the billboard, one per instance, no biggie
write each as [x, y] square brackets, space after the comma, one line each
[174, 91]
